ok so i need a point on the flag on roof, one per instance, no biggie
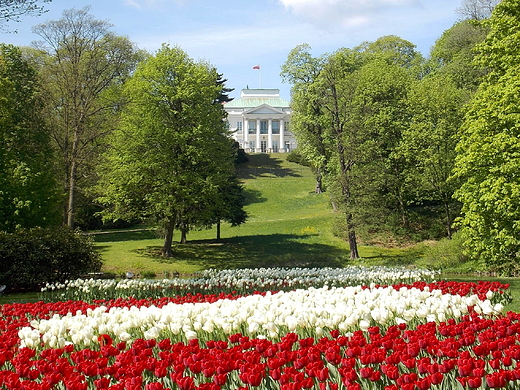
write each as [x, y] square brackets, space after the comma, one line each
[256, 67]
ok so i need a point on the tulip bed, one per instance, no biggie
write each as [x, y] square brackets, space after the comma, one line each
[419, 335]
[243, 281]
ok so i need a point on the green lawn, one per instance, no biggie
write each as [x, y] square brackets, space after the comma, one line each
[288, 226]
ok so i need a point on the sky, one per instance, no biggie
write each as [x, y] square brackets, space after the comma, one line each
[237, 35]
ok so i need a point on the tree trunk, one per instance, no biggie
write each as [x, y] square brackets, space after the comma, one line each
[319, 184]
[448, 217]
[218, 230]
[184, 231]
[72, 195]
[168, 239]
[352, 239]
[71, 208]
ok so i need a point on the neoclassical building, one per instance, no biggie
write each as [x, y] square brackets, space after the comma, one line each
[260, 120]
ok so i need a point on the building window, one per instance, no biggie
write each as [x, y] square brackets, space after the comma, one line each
[252, 145]
[286, 127]
[263, 127]
[239, 127]
[251, 126]
[226, 123]
[275, 125]
[275, 146]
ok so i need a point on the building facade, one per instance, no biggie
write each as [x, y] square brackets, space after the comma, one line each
[260, 121]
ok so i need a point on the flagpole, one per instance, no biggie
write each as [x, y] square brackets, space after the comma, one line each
[257, 67]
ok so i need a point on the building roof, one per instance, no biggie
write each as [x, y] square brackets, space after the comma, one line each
[256, 97]
[255, 102]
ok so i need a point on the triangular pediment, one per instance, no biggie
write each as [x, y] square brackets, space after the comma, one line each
[264, 109]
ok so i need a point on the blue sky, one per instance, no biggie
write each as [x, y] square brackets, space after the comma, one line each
[235, 35]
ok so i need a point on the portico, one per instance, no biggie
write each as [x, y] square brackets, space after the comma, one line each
[259, 121]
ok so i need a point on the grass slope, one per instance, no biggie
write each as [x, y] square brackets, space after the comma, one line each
[289, 225]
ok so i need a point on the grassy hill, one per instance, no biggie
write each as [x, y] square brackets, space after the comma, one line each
[288, 225]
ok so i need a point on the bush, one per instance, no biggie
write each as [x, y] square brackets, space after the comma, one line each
[33, 257]
[446, 254]
[240, 154]
[296, 157]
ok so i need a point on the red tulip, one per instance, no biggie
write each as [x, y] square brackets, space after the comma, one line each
[474, 382]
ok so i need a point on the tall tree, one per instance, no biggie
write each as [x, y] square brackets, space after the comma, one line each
[429, 141]
[348, 116]
[453, 54]
[28, 189]
[227, 205]
[489, 151]
[86, 66]
[477, 9]
[13, 10]
[381, 106]
[337, 84]
[394, 50]
[171, 155]
[301, 70]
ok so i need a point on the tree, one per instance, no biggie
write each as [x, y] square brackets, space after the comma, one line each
[348, 117]
[28, 189]
[453, 54]
[224, 91]
[489, 152]
[301, 70]
[394, 50]
[477, 9]
[85, 69]
[429, 142]
[171, 155]
[228, 205]
[13, 10]
[337, 85]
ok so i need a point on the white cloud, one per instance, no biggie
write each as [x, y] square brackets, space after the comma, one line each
[333, 14]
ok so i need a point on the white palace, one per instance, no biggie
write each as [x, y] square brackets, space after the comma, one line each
[259, 121]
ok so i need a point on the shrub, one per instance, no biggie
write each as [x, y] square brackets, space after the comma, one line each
[296, 157]
[240, 154]
[33, 257]
[446, 254]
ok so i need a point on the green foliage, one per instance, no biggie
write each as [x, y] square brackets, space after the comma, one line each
[83, 66]
[171, 158]
[28, 189]
[297, 157]
[446, 254]
[489, 151]
[33, 257]
[394, 50]
[240, 154]
[428, 144]
[454, 52]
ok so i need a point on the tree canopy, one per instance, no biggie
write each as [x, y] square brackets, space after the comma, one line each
[489, 151]
[84, 68]
[28, 189]
[13, 10]
[171, 156]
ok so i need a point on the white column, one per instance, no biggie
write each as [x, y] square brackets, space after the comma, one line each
[282, 129]
[257, 146]
[245, 132]
[270, 134]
